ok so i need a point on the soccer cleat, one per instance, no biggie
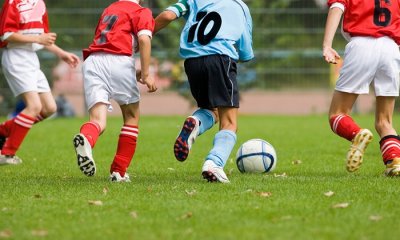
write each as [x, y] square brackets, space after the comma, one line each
[213, 173]
[9, 160]
[84, 155]
[393, 168]
[186, 137]
[116, 177]
[357, 149]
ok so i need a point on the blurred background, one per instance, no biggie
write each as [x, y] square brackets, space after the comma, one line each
[287, 76]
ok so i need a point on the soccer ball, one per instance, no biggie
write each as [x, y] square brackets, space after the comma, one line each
[256, 156]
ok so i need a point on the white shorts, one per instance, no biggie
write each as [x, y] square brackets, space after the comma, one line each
[368, 60]
[109, 76]
[21, 68]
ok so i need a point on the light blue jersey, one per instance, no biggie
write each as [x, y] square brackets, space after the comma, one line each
[221, 27]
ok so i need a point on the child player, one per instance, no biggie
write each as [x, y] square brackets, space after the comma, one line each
[109, 72]
[24, 29]
[371, 56]
[217, 35]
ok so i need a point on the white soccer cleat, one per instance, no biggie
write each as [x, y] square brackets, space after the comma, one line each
[186, 138]
[213, 173]
[116, 177]
[9, 160]
[357, 149]
[84, 155]
[393, 168]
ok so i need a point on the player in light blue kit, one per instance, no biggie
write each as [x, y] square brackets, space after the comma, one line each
[217, 35]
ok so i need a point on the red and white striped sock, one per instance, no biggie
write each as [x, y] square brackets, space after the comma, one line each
[125, 150]
[91, 131]
[20, 127]
[390, 147]
[344, 126]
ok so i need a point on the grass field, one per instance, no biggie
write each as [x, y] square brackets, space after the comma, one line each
[47, 197]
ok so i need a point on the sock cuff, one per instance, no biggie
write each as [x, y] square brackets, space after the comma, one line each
[130, 130]
[94, 124]
[26, 116]
[228, 132]
[131, 126]
[24, 120]
[206, 112]
[388, 137]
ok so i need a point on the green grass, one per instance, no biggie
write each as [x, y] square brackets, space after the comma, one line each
[47, 197]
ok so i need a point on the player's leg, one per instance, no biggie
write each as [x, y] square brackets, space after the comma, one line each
[49, 106]
[21, 69]
[19, 127]
[343, 125]
[386, 85]
[97, 123]
[390, 141]
[384, 116]
[358, 71]
[206, 118]
[85, 141]
[97, 96]
[193, 126]
[339, 115]
[5, 131]
[125, 92]
[126, 143]
[224, 141]
[205, 115]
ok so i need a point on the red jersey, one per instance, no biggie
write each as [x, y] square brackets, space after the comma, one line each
[118, 28]
[374, 18]
[23, 16]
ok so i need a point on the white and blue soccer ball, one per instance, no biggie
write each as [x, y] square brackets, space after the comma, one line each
[256, 156]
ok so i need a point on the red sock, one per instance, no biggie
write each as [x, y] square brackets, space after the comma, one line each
[91, 131]
[5, 127]
[126, 149]
[20, 127]
[344, 126]
[390, 147]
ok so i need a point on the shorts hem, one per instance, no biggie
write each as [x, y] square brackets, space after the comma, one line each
[387, 94]
[17, 93]
[136, 100]
[351, 91]
[108, 103]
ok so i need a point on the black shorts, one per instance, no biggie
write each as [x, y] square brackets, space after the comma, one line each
[212, 81]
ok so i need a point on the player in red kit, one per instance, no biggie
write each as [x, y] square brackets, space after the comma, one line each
[24, 29]
[109, 73]
[371, 57]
